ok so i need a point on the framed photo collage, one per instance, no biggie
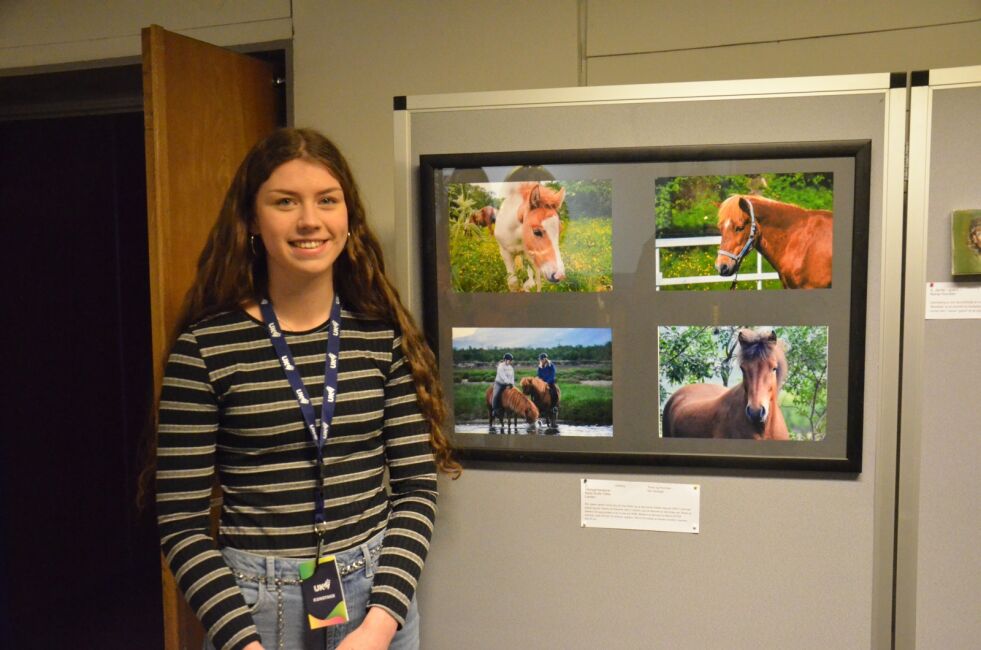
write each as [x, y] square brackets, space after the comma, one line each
[694, 306]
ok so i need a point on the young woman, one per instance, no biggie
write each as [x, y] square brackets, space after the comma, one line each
[299, 378]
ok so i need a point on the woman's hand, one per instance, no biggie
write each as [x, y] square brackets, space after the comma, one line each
[255, 645]
[375, 633]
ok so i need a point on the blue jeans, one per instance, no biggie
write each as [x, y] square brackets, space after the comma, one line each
[270, 585]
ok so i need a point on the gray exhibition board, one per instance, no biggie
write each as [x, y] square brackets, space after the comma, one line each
[757, 527]
[937, 553]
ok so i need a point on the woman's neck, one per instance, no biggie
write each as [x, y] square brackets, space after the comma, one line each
[302, 305]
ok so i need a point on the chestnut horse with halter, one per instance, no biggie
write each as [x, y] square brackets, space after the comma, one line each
[797, 242]
[747, 410]
[528, 223]
[513, 404]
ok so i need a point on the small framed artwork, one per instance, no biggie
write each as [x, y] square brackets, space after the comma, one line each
[687, 306]
[965, 242]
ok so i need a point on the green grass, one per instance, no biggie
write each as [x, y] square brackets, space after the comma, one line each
[692, 261]
[587, 251]
[579, 404]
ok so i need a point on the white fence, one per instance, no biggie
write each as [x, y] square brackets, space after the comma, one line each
[677, 242]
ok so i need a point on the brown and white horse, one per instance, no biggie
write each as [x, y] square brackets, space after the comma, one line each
[542, 397]
[797, 242]
[513, 405]
[747, 410]
[484, 217]
[528, 224]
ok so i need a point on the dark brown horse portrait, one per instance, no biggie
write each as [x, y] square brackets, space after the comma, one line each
[513, 406]
[796, 241]
[749, 410]
[484, 217]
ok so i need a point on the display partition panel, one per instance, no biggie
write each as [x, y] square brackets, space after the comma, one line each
[699, 306]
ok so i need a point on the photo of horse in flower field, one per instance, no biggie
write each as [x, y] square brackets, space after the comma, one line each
[756, 231]
[546, 381]
[751, 383]
[531, 236]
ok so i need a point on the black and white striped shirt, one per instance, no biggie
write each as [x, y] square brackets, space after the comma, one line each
[226, 405]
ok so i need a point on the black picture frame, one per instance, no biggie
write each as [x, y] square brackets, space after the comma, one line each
[636, 440]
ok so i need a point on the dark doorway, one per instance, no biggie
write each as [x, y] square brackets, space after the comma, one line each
[81, 561]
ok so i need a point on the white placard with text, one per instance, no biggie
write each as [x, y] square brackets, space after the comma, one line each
[952, 300]
[634, 505]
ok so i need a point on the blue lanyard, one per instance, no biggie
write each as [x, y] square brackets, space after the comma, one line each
[319, 434]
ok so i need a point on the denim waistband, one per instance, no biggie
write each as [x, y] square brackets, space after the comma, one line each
[283, 570]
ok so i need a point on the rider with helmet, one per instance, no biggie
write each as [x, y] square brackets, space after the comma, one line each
[504, 379]
[546, 372]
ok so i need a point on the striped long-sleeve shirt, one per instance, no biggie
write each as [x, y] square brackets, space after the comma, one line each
[226, 405]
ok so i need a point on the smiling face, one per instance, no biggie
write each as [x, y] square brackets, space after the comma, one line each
[301, 217]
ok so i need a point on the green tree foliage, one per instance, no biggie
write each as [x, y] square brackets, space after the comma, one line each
[559, 354]
[687, 206]
[807, 355]
[811, 191]
[589, 198]
[464, 200]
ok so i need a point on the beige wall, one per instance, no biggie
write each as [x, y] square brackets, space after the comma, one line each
[690, 40]
[351, 58]
[64, 32]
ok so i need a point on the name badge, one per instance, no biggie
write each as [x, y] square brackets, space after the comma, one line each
[323, 593]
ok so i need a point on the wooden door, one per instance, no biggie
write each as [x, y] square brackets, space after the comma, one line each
[204, 107]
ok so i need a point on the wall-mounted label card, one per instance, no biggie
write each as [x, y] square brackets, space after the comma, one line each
[953, 300]
[634, 505]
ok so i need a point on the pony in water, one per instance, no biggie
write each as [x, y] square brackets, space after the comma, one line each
[542, 397]
[528, 224]
[747, 410]
[797, 242]
[513, 405]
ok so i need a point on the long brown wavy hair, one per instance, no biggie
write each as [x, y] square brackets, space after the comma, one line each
[230, 273]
